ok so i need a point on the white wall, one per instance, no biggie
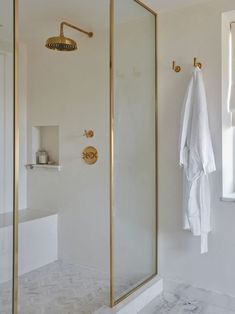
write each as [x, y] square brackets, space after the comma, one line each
[184, 34]
[71, 90]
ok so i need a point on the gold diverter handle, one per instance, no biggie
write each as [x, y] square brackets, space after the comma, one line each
[90, 155]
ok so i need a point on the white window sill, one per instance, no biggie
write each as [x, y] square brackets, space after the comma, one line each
[228, 198]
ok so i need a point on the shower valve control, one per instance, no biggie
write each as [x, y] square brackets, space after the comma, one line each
[90, 155]
[89, 133]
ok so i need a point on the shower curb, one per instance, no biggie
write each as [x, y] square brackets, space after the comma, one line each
[138, 300]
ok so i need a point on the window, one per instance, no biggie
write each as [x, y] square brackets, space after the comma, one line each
[228, 105]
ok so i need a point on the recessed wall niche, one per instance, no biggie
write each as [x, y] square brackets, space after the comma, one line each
[46, 138]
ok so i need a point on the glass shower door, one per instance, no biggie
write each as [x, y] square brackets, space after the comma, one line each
[6, 154]
[134, 146]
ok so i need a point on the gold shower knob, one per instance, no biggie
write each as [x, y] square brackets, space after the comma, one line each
[90, 155]
[89, 133]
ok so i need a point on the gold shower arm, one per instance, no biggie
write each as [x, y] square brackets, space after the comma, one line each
[62, 24]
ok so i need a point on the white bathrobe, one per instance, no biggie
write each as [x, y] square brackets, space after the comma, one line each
[197, 160]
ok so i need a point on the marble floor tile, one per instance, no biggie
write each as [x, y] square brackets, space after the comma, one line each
[169, 303]
[64, 288]
[209, 297]
[217, 310]
[59, 288]
[185, 299]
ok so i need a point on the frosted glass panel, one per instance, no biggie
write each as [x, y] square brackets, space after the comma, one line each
[6, 154]
[134, 188]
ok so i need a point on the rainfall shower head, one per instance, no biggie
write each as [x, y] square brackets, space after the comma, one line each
[62, 43]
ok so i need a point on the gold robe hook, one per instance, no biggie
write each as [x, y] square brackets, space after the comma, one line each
[197, 64]
[175, 67]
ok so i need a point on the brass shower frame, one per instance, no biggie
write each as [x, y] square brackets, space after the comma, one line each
[15, 291]
[114, 302]
[15, 154]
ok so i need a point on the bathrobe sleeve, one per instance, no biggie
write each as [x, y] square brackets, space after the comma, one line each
[200, 142]
[185, 126]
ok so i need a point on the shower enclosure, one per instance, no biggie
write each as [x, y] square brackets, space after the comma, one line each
[133, 147]
[78, 209]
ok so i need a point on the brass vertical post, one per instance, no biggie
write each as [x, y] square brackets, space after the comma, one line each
[15, 153]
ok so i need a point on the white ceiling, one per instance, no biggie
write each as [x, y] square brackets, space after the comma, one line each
[162, 5]
[44, 16]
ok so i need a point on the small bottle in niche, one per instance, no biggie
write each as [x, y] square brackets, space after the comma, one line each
[42, 157]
